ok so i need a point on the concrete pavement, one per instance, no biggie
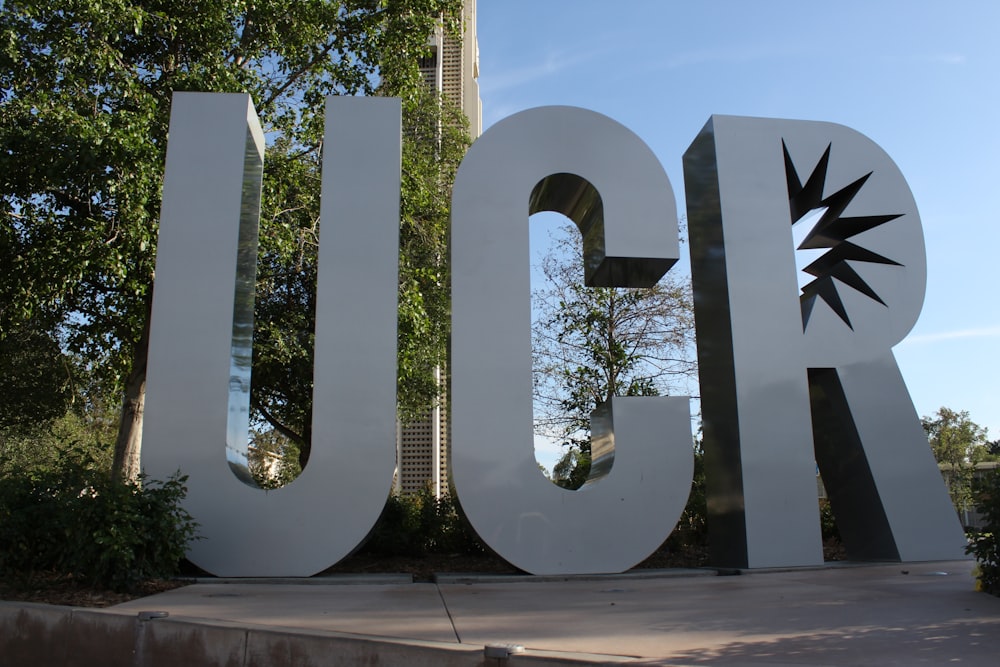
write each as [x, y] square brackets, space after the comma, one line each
[892, 614]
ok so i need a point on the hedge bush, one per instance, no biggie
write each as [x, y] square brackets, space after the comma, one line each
[77, 522]
[985, 545]
[420, 524]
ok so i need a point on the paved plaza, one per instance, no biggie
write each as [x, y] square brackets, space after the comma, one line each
[888, 614]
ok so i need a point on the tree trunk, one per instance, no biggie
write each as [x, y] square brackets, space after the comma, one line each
[128, 445]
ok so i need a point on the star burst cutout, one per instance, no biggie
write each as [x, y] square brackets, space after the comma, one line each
[832, 232]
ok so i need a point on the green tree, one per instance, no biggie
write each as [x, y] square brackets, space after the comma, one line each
[434, 140]
[85, 91]
[993, 448]
[273, 459]
[572, 469]
[985, 544]
[590, 344]
[37, 449]
[958, 444]
[37, 378]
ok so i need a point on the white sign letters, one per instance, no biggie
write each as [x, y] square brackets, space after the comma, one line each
[790, 378]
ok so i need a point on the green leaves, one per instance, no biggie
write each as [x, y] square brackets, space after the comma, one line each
[36, 377]
[985, 544]
[958, 444]
[85, 92]
[434, 141]
[420, 524]
[73, 520]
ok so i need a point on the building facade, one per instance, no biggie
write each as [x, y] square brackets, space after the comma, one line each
[452, 68]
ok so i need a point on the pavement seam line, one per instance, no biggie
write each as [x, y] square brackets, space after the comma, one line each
[451, 620]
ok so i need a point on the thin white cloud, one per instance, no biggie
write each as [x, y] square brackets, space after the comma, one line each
[495, 112]
[954, 59]
[958, 334]
[943, 58]
[735, 55]
[741, 55]
[554, 63]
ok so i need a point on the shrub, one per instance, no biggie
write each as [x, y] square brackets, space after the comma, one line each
[420, 524]
[456, 535]
[691, 531]
[827, 522]
[77, 522]
[397, 531]
[985, 545]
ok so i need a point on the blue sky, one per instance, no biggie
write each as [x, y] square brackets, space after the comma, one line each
[920, 78]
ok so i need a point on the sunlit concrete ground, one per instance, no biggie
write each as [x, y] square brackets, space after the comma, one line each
[866, 615]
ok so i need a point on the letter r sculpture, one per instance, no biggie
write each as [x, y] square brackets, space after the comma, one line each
[792, 379]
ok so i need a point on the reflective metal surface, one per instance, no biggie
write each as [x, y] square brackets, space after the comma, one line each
[200, 315]
[241, 356]
[763, 344]
[603, 177]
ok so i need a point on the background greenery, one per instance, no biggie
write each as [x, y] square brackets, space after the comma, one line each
[85, 89]
[63, 513]
[985, 543]
[85, 92]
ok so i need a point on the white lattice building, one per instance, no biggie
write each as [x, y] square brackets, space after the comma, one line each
[453, 69]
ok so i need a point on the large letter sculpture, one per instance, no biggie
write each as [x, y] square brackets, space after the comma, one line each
[793, 379]
[605, 179]
[202, 323]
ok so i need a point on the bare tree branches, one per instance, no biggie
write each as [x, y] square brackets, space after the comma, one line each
[590, 344]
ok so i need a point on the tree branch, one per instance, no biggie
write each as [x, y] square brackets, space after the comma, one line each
[276, 423]
[290, 81]
[78, 206]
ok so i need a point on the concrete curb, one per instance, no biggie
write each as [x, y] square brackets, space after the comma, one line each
[488, 578]
[346, 579]
[38, 634]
